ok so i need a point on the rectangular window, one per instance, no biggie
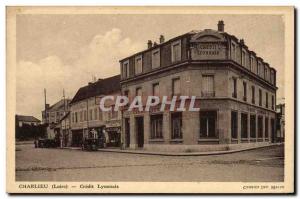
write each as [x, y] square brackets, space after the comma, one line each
[156, 126]
[176, 51]
[208, 124]
[267, 100]
[156, 58]
[273, 108]
[138, 92]
[234, 93]
[85, 115]
[243, 58]
[91, 114]
[244, 125]
[253, 94]
[155, 89]
[260, 97]
[253, 126]
[80, 116]
[245, 91]
[233, 56]
[176, 125]
[95, 114]
[76, 117]
[176, 86]
[208, 88]
[234, 124]
[251, 64]
[138, 65]
[125, 69]
[100, 114]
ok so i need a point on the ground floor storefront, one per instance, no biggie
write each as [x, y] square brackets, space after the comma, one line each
[218, 124]
[107, 136]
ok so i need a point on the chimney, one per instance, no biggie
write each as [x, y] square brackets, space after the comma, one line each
[242, 41]
[149, 44]
[221, 26]
[47, 106]
[161, 39]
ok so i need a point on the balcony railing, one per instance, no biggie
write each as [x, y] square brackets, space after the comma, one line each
[208, 93]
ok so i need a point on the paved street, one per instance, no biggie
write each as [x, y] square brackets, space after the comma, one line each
[32, 164]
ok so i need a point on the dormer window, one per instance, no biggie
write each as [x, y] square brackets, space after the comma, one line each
[156, 58]
[176, 51]
[138, 65]
[125, 69]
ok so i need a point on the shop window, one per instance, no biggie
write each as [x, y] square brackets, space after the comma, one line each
[176, 51]
[155, 58]
[253, 126]
[208, 124]
[266, 127]
[176, 125]
[176, 87]
[208, 86]
[234, 124]
[260, 126]
[244, 125]
[156, 126]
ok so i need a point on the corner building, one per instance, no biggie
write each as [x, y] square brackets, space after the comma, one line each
[235, 88]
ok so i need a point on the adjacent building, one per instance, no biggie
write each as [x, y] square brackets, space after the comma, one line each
[27, 119]
[86, 115]
[52, 116]
[234, 87]
[280, 123]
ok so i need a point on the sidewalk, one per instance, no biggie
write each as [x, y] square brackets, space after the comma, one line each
[144, 152]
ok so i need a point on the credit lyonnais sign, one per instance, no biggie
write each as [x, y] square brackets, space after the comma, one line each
[208, 51]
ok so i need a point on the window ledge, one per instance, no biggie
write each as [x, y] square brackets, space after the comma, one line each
[208, 139]
[156, 140]
[176, 140]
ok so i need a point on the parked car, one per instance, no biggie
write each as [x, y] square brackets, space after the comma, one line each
[46, 143]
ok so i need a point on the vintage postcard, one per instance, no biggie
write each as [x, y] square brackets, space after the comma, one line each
[150, 99]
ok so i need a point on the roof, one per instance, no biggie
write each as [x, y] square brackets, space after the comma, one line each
[27, 118]
[195, 32]
[66, 115]
[58, 105]
[100, 87]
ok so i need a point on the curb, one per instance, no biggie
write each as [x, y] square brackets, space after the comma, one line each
[188, 154]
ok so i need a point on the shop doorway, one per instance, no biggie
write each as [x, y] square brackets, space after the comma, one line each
[140, 131]
[208, 124]
[127, 132]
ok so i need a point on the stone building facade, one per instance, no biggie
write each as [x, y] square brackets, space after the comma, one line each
[86, 115]
[235, 90]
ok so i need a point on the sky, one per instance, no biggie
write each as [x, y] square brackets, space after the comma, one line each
[59, 52]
